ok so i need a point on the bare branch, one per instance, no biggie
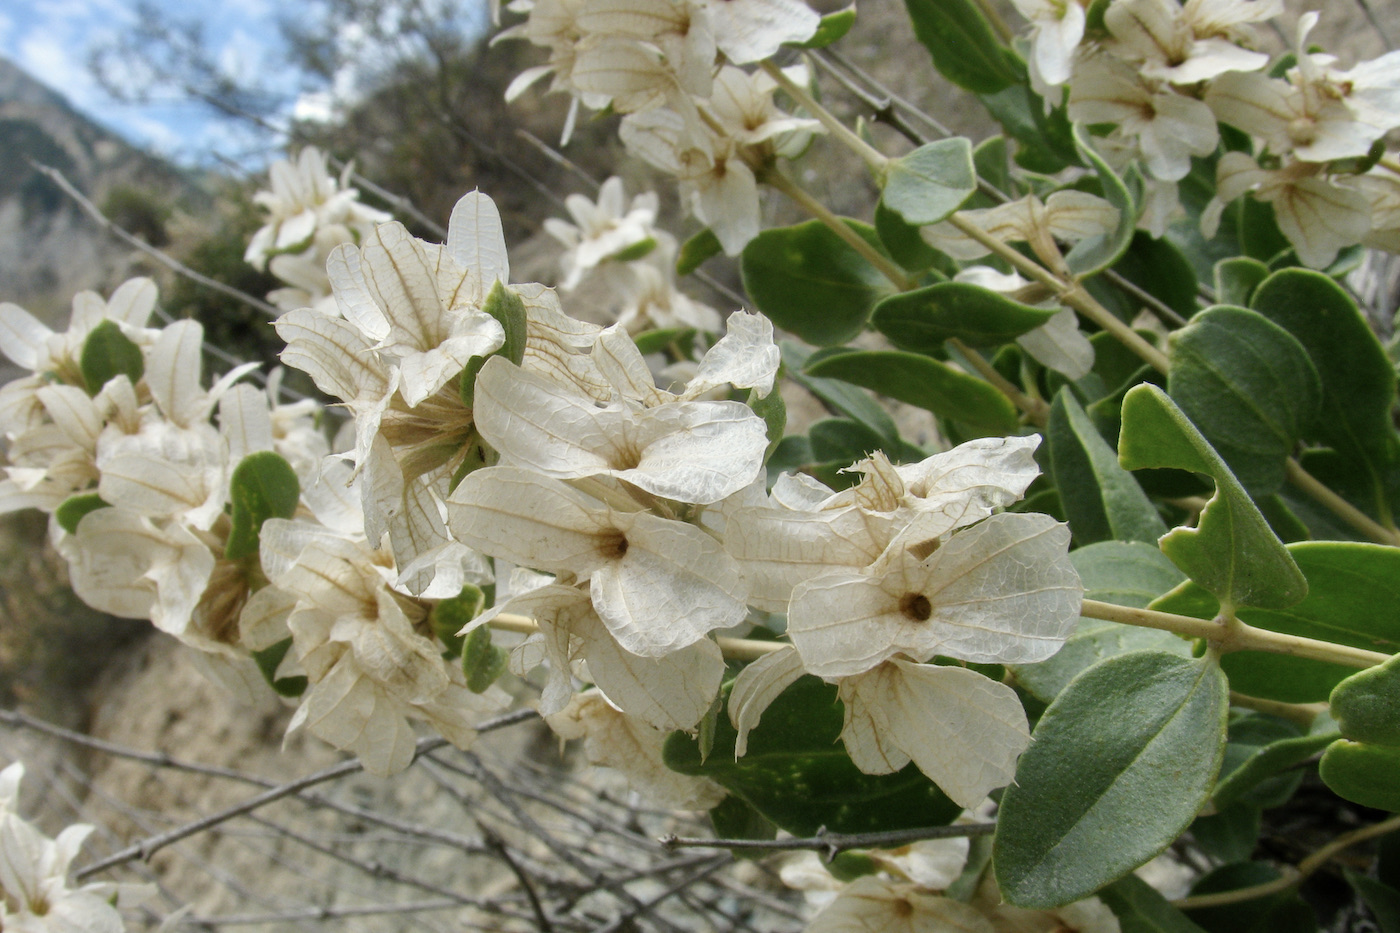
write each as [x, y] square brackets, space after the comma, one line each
[833, 844]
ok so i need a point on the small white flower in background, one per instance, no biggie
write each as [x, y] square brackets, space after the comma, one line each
[35, 896]
[1168, 128]
[1184, 45]
[54, 357]
[601, 230]
[748, 31]
[874, 903]
[1066, 215]
[1319, 215]
[305, 199]
[1057, 26]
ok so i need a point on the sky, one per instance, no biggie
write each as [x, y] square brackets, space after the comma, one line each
[51, 40]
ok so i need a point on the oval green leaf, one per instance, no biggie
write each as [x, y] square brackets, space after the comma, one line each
[1119, 765]
[1249, 387]
[107, 352]
[1363, 773]
[1096, 253]
[807, 280]
[931, 182]
[263, 486]
[922, 319]
[1367, 705]
[964, 46]
[925, 383]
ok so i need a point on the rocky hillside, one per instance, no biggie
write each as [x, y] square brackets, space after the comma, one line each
[48, 248]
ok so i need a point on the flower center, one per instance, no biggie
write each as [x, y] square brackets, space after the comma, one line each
[915, 607]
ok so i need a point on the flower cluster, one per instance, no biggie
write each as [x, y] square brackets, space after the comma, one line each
[35, 896]
[715, 128]
[1167, 75]
[309, 213]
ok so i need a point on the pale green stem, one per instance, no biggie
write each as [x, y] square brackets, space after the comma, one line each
[872, 157]
[735, 649]
[1340, 507]
[1292, 876]
[839, 227]
[1036, 410]
[1235, 637]
[1301, 713]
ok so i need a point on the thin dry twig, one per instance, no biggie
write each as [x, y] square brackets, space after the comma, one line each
[833, 844]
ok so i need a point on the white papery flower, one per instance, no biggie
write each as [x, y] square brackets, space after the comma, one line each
[678, 29]
[1168, 128]
[35, 896]
[962, 729]
[1320, 216]
[751, 30]
[1002, 591]
[650, 300]
[1184, 45]
[670, 692]
[1057, 26]
[54, 357]
[873, 903]
[306, 199]
[615, 740]
[371, 673]
[601, 230]
[658, 584]
[1066, 215]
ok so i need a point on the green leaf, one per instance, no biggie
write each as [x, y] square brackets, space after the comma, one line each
[842, 397]
[1231, 552]
[842, 440]
[1236, 279]
[694, 251]
[773, 410]
[932, 182]
[807, 280]
[1353, 599]
[1358, 381]
[263, 486]
[1367, 705]
[1260, 237]
[1229, 835]
[964, 46]
[1159, 268]
[925, 383]
[1260, 763]
[1363, 773]
[482, 662]
[922, 319]
[1249, 735]
[450, 616]
[1044, 142]
[797, 774]
[1122, 573]
[1250, 389]
[72, 510]
[107, 352]
[1103, 501]
[903, 242]
[1118, 767]
[657, 341]
[269, 659]
[833, 26]
[505, 306]
[1382, 899]
[733, 818]
[1281, 912]
[1097, 253]
[1140, 908]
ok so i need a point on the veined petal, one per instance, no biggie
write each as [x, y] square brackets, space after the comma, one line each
[670, 585]
[476, 241]
[173, 367]
[22, 338]
[755, 689]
